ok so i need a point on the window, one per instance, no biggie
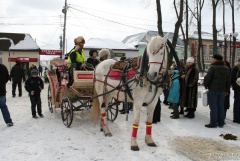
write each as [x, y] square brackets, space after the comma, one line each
[238, 52]
[211, 50]
[219, 51]
[204, 50]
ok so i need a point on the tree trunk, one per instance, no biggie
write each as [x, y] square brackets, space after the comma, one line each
[186, 38]
[214, 5]
[224, 32]
[159, 13]
[200, 56]
[177, 26]
[234, 38]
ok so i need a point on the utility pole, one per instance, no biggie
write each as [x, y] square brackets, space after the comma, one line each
[64, 10]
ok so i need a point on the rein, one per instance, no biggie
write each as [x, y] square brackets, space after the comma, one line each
[158, 83]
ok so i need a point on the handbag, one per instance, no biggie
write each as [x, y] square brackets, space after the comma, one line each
[205, 99]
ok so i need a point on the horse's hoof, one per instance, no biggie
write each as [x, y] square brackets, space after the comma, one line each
[101, 129]
[152, 144]
[135, 148]
[108, 134]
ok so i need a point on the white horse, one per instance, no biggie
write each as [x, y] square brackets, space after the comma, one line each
[145, 88]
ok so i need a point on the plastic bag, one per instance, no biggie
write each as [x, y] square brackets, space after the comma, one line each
[205, 99]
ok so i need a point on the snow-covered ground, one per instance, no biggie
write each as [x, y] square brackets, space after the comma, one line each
[47, 139]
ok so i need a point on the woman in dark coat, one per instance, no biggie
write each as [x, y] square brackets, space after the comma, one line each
[190, 88]
[157, 112]
[182, 71]
[93, 58]
[227, 97]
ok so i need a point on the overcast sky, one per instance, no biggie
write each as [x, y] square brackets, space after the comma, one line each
[114, 19]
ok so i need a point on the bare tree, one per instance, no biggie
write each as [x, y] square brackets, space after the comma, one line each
[177, 26]
[179, 21]
[214, 28]
[159, 13]
[232, 4]
[186, 38]
[224, 31]
[197, 14]
[185, 33]
[200, 56]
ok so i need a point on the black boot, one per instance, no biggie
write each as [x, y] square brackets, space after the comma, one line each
[187, 115]
[191, 113]
[181, 111]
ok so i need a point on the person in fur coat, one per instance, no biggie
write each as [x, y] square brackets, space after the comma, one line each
[190, 88]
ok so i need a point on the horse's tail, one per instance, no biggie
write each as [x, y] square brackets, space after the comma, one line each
[95, 112]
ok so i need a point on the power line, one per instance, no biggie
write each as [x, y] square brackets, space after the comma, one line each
[115, 14]
[26, 24]
[26, 16]
[92, 32]
[108, 19]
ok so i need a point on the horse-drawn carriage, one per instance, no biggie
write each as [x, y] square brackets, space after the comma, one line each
[143, 88]
[76, 97]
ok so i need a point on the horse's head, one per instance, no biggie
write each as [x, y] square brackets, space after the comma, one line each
[157, 59]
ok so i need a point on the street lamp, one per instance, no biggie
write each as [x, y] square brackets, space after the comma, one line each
[234, 35]
[220, 45]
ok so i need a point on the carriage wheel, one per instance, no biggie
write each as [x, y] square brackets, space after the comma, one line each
[50, 106]
[66, 111]
[112, 110]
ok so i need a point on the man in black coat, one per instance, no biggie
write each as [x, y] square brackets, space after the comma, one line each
[16, 76]
[3, 80]
[217, 81]
[40, 70]
[235, 74]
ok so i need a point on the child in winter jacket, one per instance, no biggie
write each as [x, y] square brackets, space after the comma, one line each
[174, 94]
[34, 85]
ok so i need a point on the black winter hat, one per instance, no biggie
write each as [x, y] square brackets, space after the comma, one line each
[34, 71]
[17, 62]
[91, 51]
[217, 57]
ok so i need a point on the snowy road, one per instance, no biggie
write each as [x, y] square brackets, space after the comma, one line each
[47, 139]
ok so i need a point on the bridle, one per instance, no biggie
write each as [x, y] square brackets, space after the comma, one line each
[160, 63]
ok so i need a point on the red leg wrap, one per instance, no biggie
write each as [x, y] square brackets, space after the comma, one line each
[148, 128]
[135, 129]
[103, 118]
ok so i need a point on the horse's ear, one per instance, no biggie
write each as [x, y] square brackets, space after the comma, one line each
[148, 38]
[165, 38]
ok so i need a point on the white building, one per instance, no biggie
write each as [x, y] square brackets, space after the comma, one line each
[119, 49]
[16, 46]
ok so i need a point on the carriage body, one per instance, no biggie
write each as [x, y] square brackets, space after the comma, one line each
[77, 97]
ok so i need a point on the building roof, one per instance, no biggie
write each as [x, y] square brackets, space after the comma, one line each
[17, 41]
[136, 39]
[100, 43]
[206, 36]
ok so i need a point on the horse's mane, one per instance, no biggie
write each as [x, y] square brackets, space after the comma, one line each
[155, 44]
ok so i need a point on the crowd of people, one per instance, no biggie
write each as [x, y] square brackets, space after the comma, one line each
[181, 92]
[34, 83]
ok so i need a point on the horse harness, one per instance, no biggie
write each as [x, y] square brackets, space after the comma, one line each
[138, 77]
